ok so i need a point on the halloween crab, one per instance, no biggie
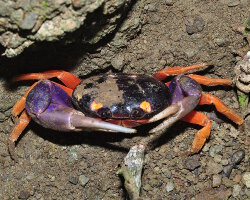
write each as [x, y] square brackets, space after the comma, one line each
[117, 102]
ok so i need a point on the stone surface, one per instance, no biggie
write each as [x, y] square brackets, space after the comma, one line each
[246, 179]
[53, 20]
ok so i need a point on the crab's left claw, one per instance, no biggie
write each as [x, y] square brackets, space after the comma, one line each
[51, 107]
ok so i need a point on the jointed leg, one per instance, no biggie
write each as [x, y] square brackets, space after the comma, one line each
[210, 81]
[67, 78]
[220, 106]
[202, 135]
[161, 75]
[23, 121]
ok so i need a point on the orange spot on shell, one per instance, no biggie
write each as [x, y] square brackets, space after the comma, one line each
[146, 106]
[95, 106]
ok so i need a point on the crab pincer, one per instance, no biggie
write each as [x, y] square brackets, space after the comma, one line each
[51, 107]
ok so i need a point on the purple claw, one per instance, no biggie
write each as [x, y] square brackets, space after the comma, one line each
[186, 93]
[51, 107]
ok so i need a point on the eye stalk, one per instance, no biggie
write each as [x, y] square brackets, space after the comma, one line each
[104, 113]
[137, 113]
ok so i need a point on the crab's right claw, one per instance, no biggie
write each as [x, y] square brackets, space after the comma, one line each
[80, 122]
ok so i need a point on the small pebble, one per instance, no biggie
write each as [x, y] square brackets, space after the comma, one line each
[195, 25]
[246, 179]
[147, 187]
[227, 182]
[215, 149]
[236, 190]
[169, 2]
[224, 162]
[227, 170]
[237, 178]
[73, 154]
[214, 168]
[238, 156]
[233, 3]
[217, 158]
[83, 180]
[247, 191]
[166, 172]
[217, 180]
[73, 180]
[192, 162]
[24, 194]
[219, 41]
[169, 186]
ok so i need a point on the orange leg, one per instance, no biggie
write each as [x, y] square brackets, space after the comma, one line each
[67, 78]
[202, 135]
[17, 131]
[23, 121]
[210, 99]
[161, 75]
[210, 81]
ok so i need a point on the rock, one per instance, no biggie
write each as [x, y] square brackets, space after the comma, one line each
[224, 162]
[247, 191]
[219, 41]
[169, 2]
[192, 162]
[237, 178]
[195, 25]
[236, 190]
[227, 182]
[29, 21]
[24, 194]
[73, 180]
[118, 62]
[73, 154]
[233, 3]
[238, 156]
[242, 77]
[215, 150]
[217, 180]
[213, 168]
[53, 20]
[170, 186]
[83, 180]
[212, 194]
[246, 179]
[134, 161]
[165, 170]
[217, 158]
[227, 170]
[147, 187]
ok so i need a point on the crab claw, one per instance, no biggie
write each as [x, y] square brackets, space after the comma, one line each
[186, 95]
[79, 121]
[51, 107]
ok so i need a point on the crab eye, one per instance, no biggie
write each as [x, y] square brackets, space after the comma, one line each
[137, 113]
[104, 113]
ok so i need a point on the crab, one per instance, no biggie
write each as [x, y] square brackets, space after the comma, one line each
[118, 102]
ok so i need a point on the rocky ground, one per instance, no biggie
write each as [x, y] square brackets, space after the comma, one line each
[135, 37]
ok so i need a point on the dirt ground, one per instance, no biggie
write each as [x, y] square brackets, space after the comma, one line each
[55, 165]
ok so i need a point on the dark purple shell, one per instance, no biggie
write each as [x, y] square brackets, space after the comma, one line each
[121, 96]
